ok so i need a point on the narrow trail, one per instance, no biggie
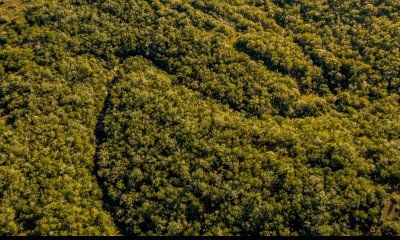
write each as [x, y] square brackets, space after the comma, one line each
[100, 139]
[99, 131]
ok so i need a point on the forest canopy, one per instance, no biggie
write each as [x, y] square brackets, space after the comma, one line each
[195, 117]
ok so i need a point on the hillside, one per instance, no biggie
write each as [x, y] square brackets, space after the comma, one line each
[195, 117]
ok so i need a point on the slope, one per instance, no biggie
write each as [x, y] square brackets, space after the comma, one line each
[255, 117]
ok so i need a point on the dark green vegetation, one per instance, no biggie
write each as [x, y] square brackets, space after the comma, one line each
[190, 117]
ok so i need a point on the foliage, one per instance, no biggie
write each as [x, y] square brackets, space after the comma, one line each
[193, 117]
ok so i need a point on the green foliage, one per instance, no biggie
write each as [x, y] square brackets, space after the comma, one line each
[3, 20]
[172, 164]
[192, 117]
[391, 229]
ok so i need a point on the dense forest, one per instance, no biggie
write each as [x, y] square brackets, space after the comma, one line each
[200, 117]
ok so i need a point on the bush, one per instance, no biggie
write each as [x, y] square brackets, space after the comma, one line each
[4, 20]
[390, 229]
